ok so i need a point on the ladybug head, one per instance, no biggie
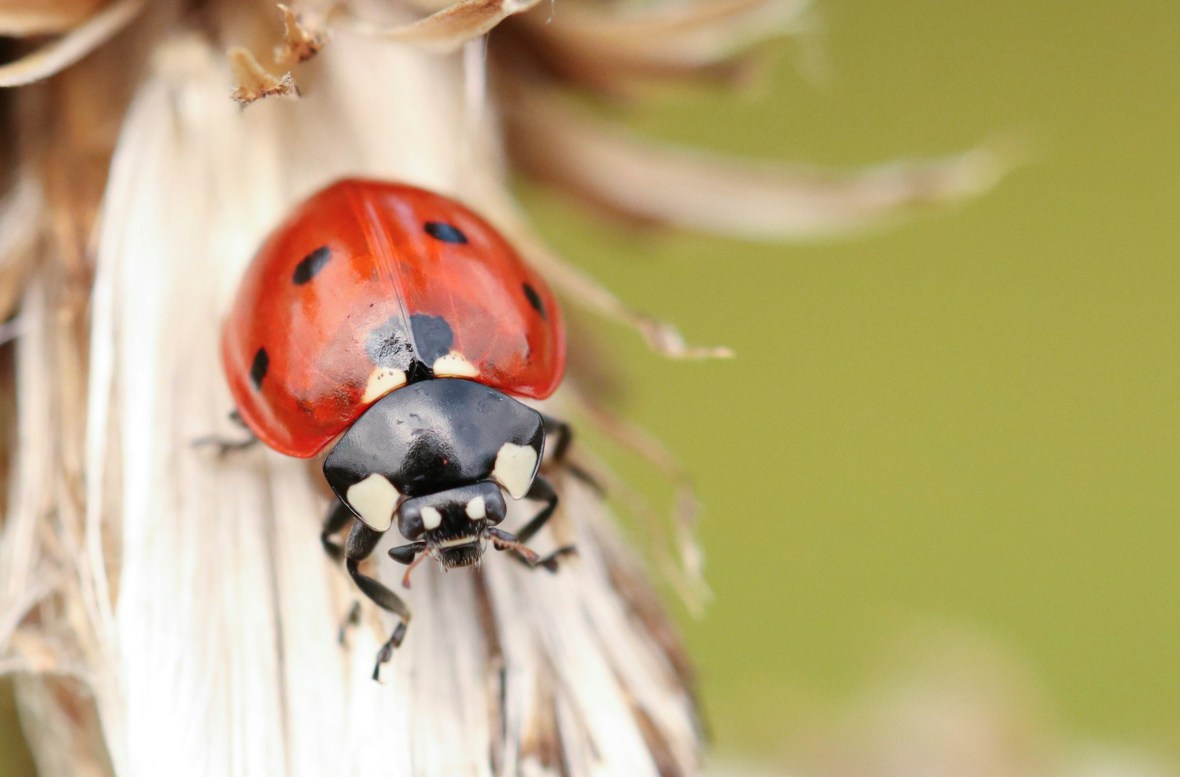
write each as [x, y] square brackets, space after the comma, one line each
[451, 525]
[437, 457]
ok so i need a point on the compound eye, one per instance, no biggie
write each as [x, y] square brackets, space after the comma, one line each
[418, 516]
[374, 499]
[409, 521]
[487, 506]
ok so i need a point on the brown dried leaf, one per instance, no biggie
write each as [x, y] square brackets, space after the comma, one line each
[41, 17]
[612, 48]
[450, 28]
[68, 49]
[77, 116]
[300, 43]
[52, 703]
[20, 222]
[661, 183]
[254, 82]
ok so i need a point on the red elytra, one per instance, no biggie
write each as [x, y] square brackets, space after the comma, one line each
[363, 275]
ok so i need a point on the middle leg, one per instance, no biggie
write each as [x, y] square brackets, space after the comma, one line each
[562, 435]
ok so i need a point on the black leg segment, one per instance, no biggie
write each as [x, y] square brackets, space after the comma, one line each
[338, 517]
[542, 491]
[225, 446]
[561, 435]
[361, 542]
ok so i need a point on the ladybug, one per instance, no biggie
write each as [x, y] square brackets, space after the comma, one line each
[399, 325]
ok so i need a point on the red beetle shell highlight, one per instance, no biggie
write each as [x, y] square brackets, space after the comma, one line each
[362, 276]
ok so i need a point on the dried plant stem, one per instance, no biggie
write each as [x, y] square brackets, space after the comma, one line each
[655, 183]
[71, 47]
[211, 646]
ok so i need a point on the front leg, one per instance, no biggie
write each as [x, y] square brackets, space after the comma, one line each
[338, 517]
[361, 542]
[541, 491]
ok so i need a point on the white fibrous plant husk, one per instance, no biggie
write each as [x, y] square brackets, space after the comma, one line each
[166, 611]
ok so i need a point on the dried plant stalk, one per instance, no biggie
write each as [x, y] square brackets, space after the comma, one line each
[659, 184]
[448, 28]
[71, 47]
[38, 17]
[615, 49]
[20, 223]
[212, 643]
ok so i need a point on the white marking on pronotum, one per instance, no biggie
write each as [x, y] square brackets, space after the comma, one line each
[455, 366]
[476, 509]
[515, 467]
[381, 382]
[431, 518]
[456, 541]
[373, 499]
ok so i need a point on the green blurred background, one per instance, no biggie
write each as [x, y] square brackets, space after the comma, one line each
[969, 419]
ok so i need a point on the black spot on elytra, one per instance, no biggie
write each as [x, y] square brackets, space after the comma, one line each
[432, 336]
[259, 367]
[447, 233]
[389, 347]
[311, 265]
[535, 300]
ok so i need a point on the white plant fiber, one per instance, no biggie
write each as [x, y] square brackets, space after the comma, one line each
[218, 623]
